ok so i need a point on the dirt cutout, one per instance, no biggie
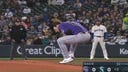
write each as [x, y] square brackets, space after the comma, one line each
[36, 66]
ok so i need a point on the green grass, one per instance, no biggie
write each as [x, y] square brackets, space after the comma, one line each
[95, 59]
[61, 58]
[77, 61]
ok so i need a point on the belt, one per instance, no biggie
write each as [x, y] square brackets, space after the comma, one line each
[98, 36]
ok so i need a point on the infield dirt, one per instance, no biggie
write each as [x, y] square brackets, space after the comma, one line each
[36, 66]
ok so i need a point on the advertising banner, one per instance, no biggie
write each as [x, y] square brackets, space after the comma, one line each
[53, 50]
[113, 51]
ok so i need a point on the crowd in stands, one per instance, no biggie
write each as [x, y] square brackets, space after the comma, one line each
[38, 16]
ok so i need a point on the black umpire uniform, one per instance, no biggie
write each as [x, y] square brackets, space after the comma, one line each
[18, 35]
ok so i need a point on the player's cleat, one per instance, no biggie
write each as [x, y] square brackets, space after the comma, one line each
[106, 58]
[66, 60]
[71, 55]
[91, 58]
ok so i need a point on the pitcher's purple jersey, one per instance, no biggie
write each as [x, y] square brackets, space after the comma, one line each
[78, 23]
[75, 29]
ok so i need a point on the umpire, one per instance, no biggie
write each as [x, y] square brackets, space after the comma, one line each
[18, 35]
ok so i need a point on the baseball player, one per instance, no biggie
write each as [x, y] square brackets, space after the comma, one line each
[71, 20]
[98, 34]
[73, 34]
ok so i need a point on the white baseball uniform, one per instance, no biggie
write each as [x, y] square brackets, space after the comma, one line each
[98, 32]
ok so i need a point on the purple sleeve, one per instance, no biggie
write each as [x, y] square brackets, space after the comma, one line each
[63, 27]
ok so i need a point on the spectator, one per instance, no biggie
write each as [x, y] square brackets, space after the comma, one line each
[36, 21]
[125, 22]
[123, 40]
[26, 11]
[8, 13]
[7, 41]
[87, 11]
[37, 40]
[3, 21]
[29, 41]
[32, 31]
[45, 39]
[24, 22]
[60, 2]
[77, 5]
[117, 39]
[22, 3]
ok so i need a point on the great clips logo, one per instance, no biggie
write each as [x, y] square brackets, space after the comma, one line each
[48, 50]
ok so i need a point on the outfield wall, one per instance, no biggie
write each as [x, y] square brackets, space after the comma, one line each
[114, 51]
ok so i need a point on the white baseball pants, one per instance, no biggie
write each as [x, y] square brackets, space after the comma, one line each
[102, 44]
